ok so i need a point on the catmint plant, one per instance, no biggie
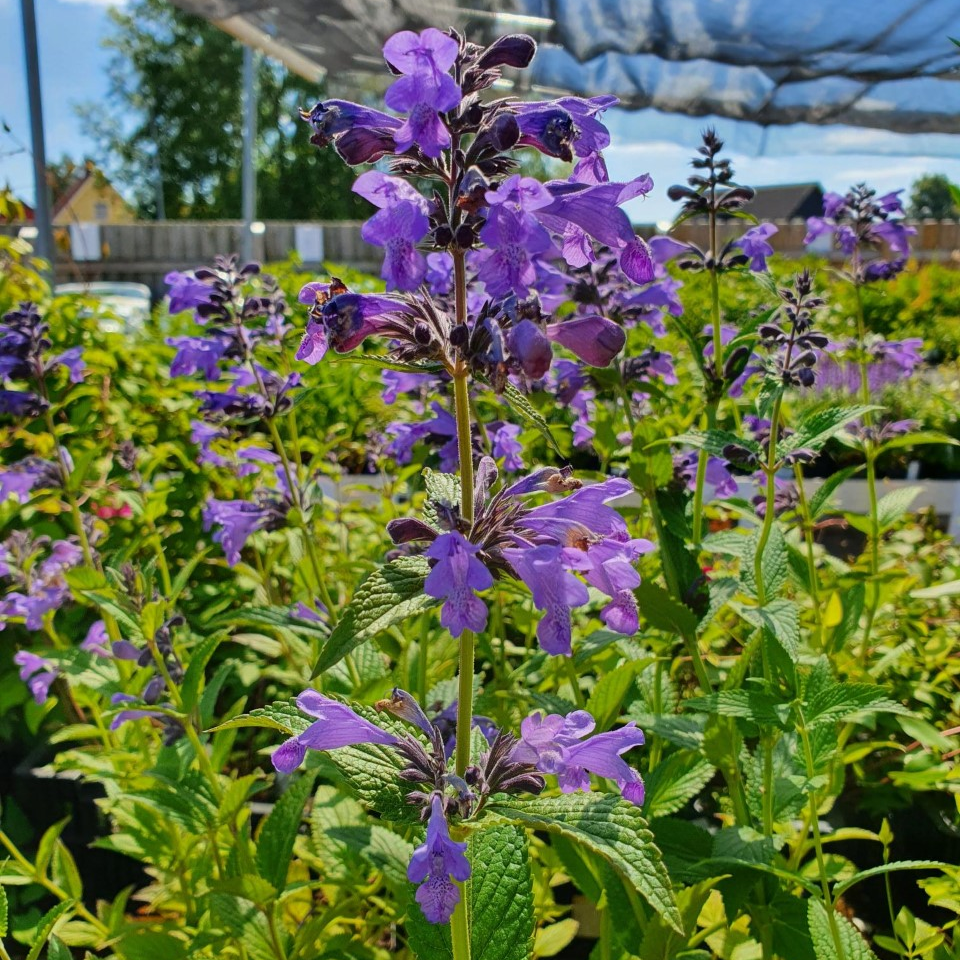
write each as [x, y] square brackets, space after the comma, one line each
[470, 272]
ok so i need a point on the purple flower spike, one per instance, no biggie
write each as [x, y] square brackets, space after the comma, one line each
[313, 346]
[434, 863]
[456, 576]
[337, 726]
[237, 519]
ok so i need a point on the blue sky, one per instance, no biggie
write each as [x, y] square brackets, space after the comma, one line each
[73, 67]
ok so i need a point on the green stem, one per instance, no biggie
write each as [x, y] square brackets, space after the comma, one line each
[49, 885]
[818, 844]
[460, 928]
[807, 525]
[574, 679]
[870, 453]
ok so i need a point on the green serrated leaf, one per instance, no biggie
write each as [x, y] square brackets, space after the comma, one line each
[781, 619]
[675, 782]
[716, 441]
[820, 499]
[280, 829]
[46, 926]
[853, 945]
[759, 708]
[663, 612]
[501, 895]
[390, 595]
[852, 601]
[282, 715]
[886, 868]
[3, 911]
[892, 506]
[386, 363]
[608, 693]
[522, 407]
[816, 427]
[610, 827]
[774, 567]
[193, 678]
[826, 700]
[441, 488]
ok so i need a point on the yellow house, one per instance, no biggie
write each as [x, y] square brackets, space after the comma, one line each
[91, 198]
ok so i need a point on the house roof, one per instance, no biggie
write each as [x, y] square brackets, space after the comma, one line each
[67, 196]
[786, 202]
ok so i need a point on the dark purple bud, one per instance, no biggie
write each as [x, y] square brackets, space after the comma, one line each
[422, 334]
[464, 237]
[152, 691]
[504, 132]
[406, 529]
[514, 50]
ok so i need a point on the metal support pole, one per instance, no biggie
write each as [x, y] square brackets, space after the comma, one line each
[44, 243]
[249, 178]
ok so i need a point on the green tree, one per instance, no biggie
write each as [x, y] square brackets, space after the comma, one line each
[172, 127]
[932, 197]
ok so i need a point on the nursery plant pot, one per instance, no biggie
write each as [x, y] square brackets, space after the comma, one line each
[47, 796]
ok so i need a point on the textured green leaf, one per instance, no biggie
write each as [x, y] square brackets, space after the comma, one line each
[610, 827]
[892, 506]
[193, 678]
[440, 488]
[852, 601]
[608, 693]
[816, 427]
[820, 499]
[893, 867]
[828, 701]
[371, 771]
[775, 565]
[661, 611]
[854, 946]
[57, 949]
[716, 441]
[244, 923]
[282, 715]
[390, 595]
[501, 895]
[379, 847]
[781, 619]
[279, 831]
[753, 705]
[64, 871]
[950, 588]
[3, 911]
[522, 407]
[386, 363]
[46, 926]
[675, 782]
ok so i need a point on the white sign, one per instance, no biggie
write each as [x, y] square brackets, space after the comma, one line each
[85, 241]
[308, 242]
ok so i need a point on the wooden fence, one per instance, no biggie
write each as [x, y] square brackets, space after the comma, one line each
[144, 252]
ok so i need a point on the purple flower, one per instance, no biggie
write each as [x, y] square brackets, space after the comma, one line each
[72, 360]
[382, 191]
[359, 134]
[398, 229]
[503, 437]
[594, 339]
[556, 745]
[186, 291]
[344, 321]
[513, 238]
[434, 863]
[126, 716]
[564, 127]
[38, 674]
[455, 577]
[720, 482]
[237, 520]
[26, 475]
[397, 382]
[754, 244]
[21, 403]
[197, 353]
[424, 90]
[439, 276]
[555, 591]
[336, 726]
[97, 641]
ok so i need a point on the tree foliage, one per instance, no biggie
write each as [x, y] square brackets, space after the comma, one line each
[175, 121]
[931, 198]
